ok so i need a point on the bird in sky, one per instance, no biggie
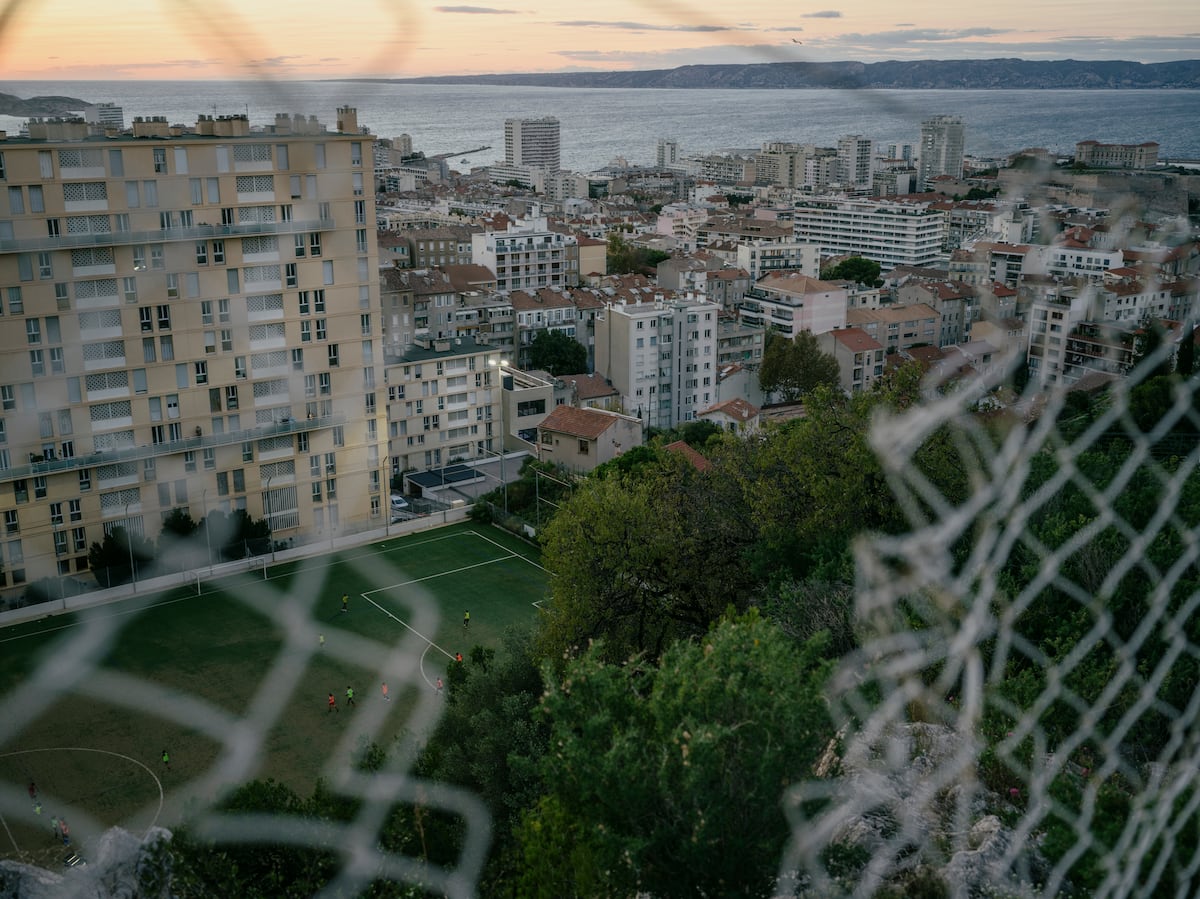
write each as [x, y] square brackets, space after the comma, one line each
[794, 41]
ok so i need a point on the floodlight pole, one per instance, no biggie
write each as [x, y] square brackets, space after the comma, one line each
[129, 544]
[268, 508]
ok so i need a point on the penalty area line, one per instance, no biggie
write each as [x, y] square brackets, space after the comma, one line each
[407, 625]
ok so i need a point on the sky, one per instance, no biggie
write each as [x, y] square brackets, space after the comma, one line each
[187, 39]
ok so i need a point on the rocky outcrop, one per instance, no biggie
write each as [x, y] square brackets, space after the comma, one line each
[40, 106]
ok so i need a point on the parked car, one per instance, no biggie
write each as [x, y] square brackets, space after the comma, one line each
[399, 503]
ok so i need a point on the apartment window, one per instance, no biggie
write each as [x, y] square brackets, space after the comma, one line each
[298, 359]
[150, 193]
[289, 275]
[210, 458]
[160, 160]
[39, 487]
[226, 340]
[322, 334]
[149, 469]
[239, 367]
[218, 252]
[334, 358]
[223, 311]
[157, 260]
[210, 342]
[201, 372]
[327, 271]
[360, 212]
[164, 318]
[61, 296]
[189, 460]
[33, 331]
[319, 154]
[129, 286]
[364, 322]
[339, 435]
[16, 201]
[196, 186]
[306, 331]
[231, 397]
[201, 252]
[206, 312]
[357, 183]
[146, 318]
[314, 243]
[166, 348]
[231, 278]
[45, 266]
[37, 363]
[12, 524]
[360, 240]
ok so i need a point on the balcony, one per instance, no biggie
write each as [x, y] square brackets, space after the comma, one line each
[131, 453]
[160, 235]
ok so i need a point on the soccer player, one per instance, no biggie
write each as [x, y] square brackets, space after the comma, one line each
[458, 657]
[32, 791]
[385, 696]
[321, 640]
[349, 696]
[467, 618]
[166, 757]
[65, 831]
[332, 703]
[439, 686]
[345, 602]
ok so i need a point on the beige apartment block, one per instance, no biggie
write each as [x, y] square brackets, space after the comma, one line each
[193, 322]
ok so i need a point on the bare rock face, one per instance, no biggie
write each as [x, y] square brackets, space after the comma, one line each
[915, 788]
[120, 866]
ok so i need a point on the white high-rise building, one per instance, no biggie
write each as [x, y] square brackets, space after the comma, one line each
[533, 143]
[942, 140]
[855, 155]
[888, 232]
[661, 356]
[106, 115]
[668, 153]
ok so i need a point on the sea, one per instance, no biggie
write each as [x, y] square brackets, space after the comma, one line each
[601, 125]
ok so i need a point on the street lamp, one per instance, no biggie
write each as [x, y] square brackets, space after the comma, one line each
[386, 490]
[207, 536]
[268, 509]
[499, 365]
[129, 543]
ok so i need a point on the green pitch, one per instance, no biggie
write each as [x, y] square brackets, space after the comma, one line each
[184, 671]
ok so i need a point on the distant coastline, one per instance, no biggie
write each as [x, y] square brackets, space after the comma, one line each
[40, 106]
[934, 74]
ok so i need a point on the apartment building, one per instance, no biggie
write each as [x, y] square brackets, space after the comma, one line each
[898, 328]
[890, 232]
[537, 311]
[533, 143]
[855, 160]
[943, 138]
[859, 357]
[790, 302]
[196, 326]
[528, 255]
[760, 259]
[444, 403]
[661, 356]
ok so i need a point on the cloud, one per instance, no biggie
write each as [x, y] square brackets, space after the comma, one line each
[643, 26]
[786, 28]
[273, 61]
[823, 14]
[476, 10]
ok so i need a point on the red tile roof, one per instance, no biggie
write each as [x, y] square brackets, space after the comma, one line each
[586, 423]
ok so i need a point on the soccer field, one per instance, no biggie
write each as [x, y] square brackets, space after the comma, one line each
[233, 682]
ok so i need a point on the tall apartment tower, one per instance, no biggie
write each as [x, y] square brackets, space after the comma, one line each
[942, 140]
[855, 156]
[533, 143]
[668, 153]
[193, 323]
[661, 356]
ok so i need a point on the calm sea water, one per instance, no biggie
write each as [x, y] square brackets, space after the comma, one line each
[601, 124]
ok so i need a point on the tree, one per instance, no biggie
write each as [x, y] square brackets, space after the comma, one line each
[624, 258]
[1185, 359]
[110, 560]
[794, 368]
[857, 268]
[558, 353]
[669, 778]
[643, 559]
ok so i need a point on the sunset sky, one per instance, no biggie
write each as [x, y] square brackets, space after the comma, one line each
[184, 39]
